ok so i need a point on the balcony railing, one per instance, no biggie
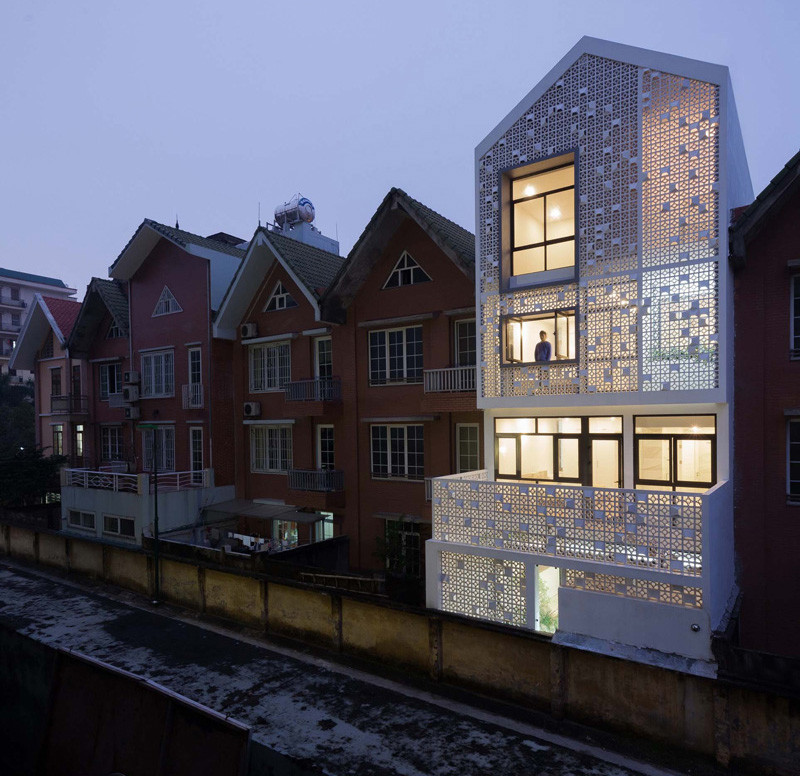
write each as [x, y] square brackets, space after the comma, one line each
[193, 396]
[69, 404]
[136, 483]
[316, 389]
[659, 530]
[320, 480]
[12, 328]
[7, 301]
[450, 380]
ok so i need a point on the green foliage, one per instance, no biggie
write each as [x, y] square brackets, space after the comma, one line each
[27, 476]
[17, 417]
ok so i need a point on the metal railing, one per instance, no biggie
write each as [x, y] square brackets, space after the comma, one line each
[450, 380]
[181, 480]
[316, 389]
[69, 404]
[193, 396]
[324, 480]
[99, 480]
[9, 302]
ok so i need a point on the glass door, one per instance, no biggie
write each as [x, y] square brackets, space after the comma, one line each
[606, 463]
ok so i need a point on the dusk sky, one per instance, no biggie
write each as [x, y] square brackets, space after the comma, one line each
[112, 112]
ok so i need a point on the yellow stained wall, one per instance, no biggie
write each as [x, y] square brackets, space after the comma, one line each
[234, 597]
[22, 541]
[298, 612]
[52, 550]
[86, 557]
[180, 583]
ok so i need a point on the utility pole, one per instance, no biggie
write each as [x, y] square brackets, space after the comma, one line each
[156, 569]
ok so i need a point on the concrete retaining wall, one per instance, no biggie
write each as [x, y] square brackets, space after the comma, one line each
[756, 731]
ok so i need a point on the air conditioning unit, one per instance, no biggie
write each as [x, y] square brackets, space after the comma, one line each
[132, 413]
[130, 393]
[252, 409]
[249, 330]
[130, 377]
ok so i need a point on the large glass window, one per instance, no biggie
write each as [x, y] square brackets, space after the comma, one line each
[159, 448]
[395, 356]
[158, 374]
[111, 443]
[540, 338]
[398, 451]
[579, 450]
[793, 484]
[270, 366]
[795, 316]
[675, 452]
[110, 379]
[543, 221]
[270, 448]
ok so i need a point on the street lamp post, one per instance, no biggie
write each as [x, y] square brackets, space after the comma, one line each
[156, 571]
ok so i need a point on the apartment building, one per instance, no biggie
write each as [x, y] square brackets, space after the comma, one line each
[60, 401]
[765, 255]
[17, 293]
[157, 382]
[603, 513]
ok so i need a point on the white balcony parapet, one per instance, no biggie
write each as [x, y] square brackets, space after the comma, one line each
[658, 530]
[451, 380]
[101, 480]
[193, 396]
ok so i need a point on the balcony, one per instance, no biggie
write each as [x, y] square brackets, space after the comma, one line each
[69, 404]
[655, 546]
[193, 396]
[10, 328]
[316, 488]
[17, 304]
[449, 390]
[314, 397]
[141, 484]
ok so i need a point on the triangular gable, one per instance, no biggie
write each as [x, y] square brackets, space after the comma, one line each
[407, 272]
[280, 299]
[103, 298]
[166, 304]
[38, 324]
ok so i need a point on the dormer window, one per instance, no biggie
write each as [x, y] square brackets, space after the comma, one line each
[281, 299]
[166, 304]
[406, 273]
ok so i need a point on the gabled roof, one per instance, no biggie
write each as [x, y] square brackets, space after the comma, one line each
[750, 220]
[655, 60]
[46, 313]
[455, 241]
[223, 257]
[311, 268]
[101, 296]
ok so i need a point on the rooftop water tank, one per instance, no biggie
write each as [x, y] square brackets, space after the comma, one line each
[296, 210]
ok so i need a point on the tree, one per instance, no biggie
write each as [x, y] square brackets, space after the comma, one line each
[27, 476]
[17, 416]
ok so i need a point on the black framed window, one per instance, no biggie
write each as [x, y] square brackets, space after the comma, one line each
[675, 452]
[540, 338]
[793, 462]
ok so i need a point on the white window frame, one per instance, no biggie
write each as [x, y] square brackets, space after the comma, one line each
[401, 472]
[405, 270]
[317, 342]
[108, 519]
[58, 432]
[282, 452]
[794, 317]
[195, 433]
[167, 304]
[158, 367]
[166, 448]
[114, 331]
[264, 379]
[195, 375]
[105, 382]
[793, 498]
[323, 527]
[459, 428]
[86, 521]
[385, 333]
[279, 299]
[111, 449]
[456, 350]
[320, 428]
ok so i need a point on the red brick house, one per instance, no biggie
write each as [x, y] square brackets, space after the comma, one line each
[404, 309]
[765, 254]
[160, 387]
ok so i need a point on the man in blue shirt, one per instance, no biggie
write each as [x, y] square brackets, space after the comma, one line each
[543, 349]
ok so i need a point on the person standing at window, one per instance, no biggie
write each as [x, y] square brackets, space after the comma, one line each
[543, 349]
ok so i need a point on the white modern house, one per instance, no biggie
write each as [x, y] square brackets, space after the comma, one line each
[604, 511]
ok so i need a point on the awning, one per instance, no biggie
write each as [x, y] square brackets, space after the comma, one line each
[242, 507]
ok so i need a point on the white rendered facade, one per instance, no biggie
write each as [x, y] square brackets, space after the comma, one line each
[641, 324]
